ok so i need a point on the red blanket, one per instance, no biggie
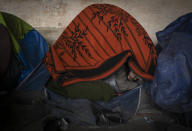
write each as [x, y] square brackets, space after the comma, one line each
[97, 42]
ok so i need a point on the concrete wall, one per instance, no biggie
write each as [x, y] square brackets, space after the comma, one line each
[50, 17]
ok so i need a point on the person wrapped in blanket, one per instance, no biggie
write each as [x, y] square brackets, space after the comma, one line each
[101, 56]
[99, 40]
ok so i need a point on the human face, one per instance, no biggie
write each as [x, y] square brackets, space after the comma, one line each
[133, 77]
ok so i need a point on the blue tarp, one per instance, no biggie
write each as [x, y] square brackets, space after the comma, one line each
[172, 85]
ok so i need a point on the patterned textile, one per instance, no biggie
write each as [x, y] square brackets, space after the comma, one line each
[97, 42]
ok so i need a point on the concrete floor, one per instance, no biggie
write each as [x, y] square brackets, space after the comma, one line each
[52, 16]
[138, 123]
